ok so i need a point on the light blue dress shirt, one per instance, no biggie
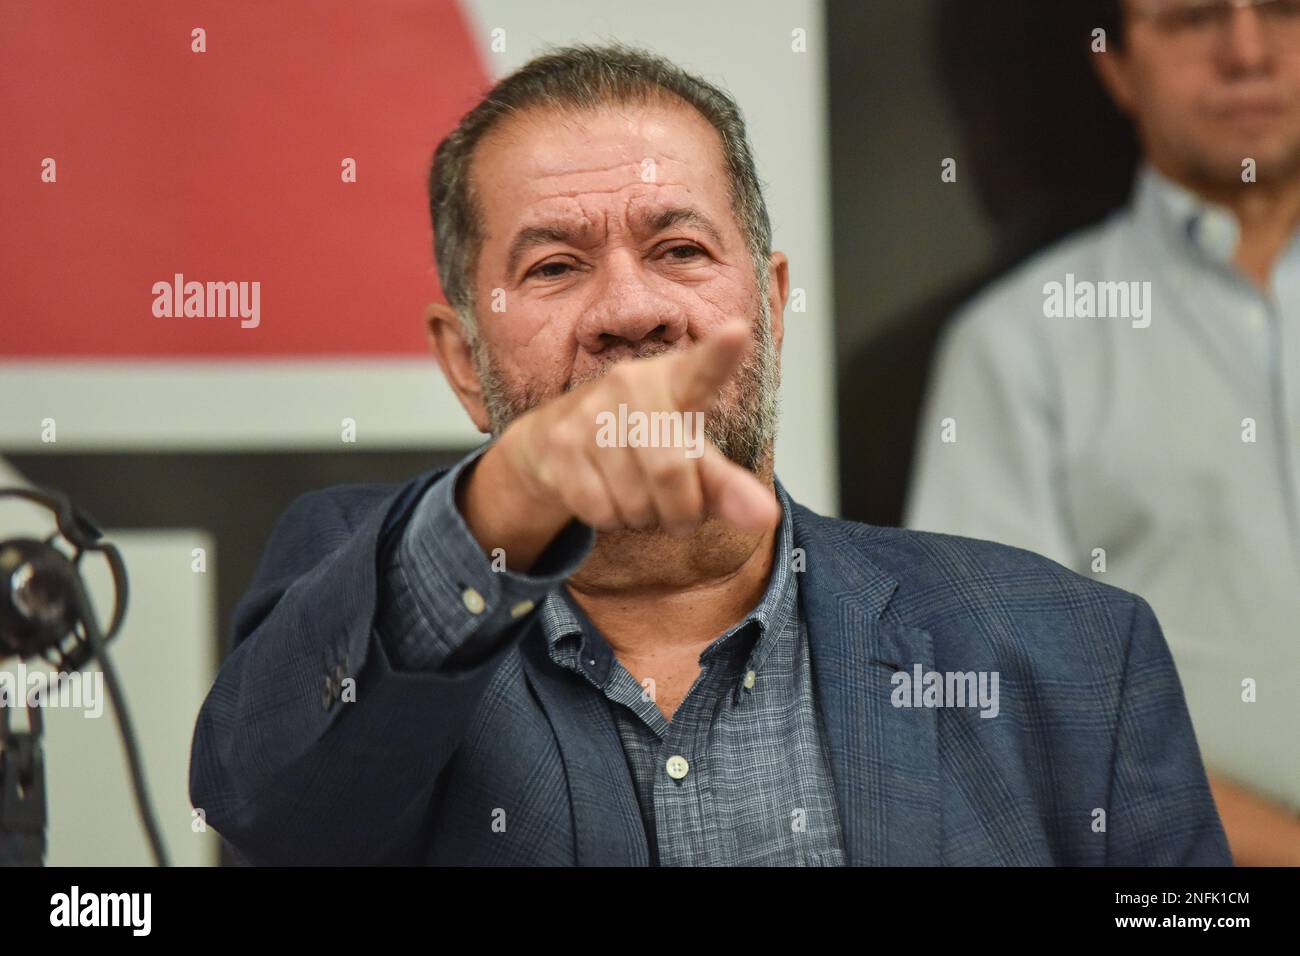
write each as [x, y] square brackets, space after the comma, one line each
[1156, 452]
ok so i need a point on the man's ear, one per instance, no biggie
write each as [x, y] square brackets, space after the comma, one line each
[448, 342]
[778, 293]
[1112, 69]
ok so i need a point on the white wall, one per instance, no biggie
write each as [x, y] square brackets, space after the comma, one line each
[164, 661]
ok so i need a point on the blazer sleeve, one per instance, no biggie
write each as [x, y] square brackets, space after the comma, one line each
[313, 744]
[1161, 810]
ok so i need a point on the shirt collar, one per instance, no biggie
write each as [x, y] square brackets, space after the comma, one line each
[1189, 221]
[573, 640]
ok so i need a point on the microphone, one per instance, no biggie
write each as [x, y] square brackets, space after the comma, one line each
[38, 605]
[45, 612]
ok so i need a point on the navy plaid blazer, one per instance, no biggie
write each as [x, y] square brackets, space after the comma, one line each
[1091, 759]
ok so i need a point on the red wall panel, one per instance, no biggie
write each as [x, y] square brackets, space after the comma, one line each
[223, 166]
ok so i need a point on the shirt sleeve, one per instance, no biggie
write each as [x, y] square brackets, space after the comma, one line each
[444, 603]
[1161, 810]
[988, 459]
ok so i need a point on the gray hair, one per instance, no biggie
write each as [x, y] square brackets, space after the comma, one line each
[581, 77]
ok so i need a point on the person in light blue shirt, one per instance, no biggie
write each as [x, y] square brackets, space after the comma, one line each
[1128, 401]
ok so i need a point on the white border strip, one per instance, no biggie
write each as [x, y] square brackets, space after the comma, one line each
[259, 405]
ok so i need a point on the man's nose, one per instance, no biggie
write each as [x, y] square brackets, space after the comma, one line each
[1246, 47]
[629, 309]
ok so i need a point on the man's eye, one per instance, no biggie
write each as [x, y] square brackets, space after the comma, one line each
[684, 253]
[550, 270]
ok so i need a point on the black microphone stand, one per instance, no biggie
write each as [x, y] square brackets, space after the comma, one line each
[22, 792]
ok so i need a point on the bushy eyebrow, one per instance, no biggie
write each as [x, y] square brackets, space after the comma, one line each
[657, 220]
[531, 236]
[650, 221]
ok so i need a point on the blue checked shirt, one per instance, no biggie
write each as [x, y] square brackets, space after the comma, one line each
[739, 777]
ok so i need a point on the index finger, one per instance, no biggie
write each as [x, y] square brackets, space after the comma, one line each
[697, 376]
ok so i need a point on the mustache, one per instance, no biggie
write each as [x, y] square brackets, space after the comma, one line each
[742, 426]
[626, 354]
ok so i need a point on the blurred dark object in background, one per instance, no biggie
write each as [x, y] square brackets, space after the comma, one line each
[1043, 151]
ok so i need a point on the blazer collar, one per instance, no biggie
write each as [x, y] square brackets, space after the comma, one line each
[884, 759]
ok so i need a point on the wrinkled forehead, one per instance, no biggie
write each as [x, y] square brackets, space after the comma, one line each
[611, 155]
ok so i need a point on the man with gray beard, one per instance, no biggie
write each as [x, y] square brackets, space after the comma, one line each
[567, 651]
[743, 432]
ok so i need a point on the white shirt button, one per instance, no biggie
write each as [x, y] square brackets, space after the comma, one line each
[474, 602]
[1219, 234]
[749, 679]
[520, 609]
[677, 766]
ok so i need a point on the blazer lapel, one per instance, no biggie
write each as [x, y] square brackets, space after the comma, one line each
[606, 814]
[884, 758]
